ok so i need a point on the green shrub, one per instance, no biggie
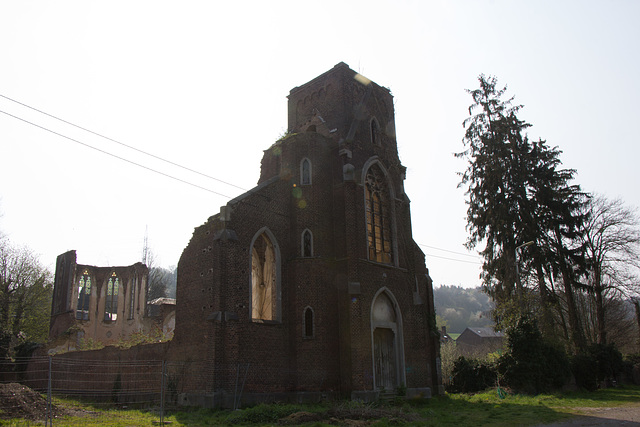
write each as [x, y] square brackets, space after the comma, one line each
[262, 413]
[584, 368]
[600, 362]
[609, 360]
[471, 375]
[629, 361]
[531, 365]
[89, 343]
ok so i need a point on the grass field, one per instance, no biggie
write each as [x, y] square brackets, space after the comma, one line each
[482, 409]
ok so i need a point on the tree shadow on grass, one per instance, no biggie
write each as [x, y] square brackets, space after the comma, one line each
[444, 411]
[488, 409]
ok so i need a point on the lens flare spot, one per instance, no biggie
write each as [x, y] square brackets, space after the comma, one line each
[362, 79]
[354, 300]
[297, 192]
[302, 204]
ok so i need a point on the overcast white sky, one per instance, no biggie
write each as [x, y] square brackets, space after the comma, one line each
[204, 84]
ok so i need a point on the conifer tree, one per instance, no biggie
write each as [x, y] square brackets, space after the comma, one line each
[517, 193]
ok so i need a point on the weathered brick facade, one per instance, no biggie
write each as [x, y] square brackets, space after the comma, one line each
[348, 298]
[310, 284]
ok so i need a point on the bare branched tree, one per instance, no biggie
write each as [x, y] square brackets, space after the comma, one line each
[159, 278]
[612, 244]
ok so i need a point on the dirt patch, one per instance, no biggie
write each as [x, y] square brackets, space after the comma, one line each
[298, 418]
[19, 401]
[351, 416]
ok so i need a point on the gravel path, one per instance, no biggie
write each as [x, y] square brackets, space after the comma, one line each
[592, 417]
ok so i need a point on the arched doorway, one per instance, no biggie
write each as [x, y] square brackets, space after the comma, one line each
[386, 333]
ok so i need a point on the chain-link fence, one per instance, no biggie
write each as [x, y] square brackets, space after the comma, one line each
[150, 384]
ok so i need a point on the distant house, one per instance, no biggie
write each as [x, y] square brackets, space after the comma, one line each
[479, 340]
[445, 338]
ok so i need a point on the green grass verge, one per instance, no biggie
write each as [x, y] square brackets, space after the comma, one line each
[482, 409]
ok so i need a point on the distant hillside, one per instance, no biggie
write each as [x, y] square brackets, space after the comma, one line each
[462, 307]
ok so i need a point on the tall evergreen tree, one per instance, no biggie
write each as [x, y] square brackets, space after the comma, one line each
[517, 193]
[494, 144]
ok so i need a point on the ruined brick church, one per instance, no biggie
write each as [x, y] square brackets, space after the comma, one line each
[312, 280]
[313, 277]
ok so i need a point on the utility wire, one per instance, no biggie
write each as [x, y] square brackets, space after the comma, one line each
[453, 259]
[445, 250]
[115, 156]
[169, 162]
[123, 144]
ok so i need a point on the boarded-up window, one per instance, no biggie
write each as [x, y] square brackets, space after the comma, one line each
[378, 216]
[263, 279]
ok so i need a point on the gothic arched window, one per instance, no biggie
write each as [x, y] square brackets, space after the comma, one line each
[111, 302]
[305, 172]
[307, 244]
[264, 279]
[84, 296]
[378, 214]
[375, 132]
[308, 323]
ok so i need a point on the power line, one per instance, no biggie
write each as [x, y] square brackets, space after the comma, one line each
[453, 259]
[115, 156]
[172, 163]
[121, 143]
[446, 250]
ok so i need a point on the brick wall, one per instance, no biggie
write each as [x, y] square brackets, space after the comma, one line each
[330, 125]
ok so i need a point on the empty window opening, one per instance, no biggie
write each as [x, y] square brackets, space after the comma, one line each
[307, 244]
[305, 172]
[308, 322]
[84, 296]
[378, 216]
[132, 300]
[111, 302]
[263, 279]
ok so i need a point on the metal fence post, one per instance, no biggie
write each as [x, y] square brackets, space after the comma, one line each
[164, 367]
[49, 420]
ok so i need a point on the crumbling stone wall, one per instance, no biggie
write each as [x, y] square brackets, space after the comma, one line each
[71, 325]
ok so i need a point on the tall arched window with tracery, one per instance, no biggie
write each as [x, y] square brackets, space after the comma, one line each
[264, 279]
[84, 296]
[378, 216]
[111, 301]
